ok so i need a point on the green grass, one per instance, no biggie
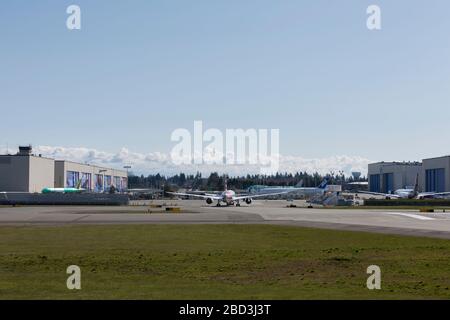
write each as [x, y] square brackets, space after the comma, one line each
[218, 262]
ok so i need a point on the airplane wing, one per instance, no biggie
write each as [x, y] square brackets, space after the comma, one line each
[432, 194]
[251, 196]
[206, 193]
[380, 194]
[203, 196]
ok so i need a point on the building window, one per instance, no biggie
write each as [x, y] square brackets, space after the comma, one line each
[86, 181]
[124, 184]
[108, 183]
[117, 184]
[98, 178]
[435, 180]
[72, 179]
[374, 183]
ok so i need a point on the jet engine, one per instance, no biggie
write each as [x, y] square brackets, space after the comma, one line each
[209, 201]
[248, 201]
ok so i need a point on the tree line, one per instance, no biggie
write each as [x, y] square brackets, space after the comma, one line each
[216, 181]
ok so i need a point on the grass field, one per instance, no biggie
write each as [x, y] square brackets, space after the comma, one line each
[218, 262]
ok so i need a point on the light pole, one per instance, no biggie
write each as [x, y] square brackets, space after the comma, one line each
[128, 180]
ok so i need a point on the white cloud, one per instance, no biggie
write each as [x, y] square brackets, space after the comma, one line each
[157, 162]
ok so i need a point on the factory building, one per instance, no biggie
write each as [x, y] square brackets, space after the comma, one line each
[26, 172]
[386, 177]
[93, 178]
[436, 172]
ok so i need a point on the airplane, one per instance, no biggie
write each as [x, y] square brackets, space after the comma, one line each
[258, 188]
[77, 189]
[408, 193]
[229, 197]
[307, 192]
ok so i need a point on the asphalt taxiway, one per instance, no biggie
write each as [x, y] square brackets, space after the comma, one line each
[405, 222]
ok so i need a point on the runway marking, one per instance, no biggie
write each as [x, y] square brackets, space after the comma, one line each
[410, 215]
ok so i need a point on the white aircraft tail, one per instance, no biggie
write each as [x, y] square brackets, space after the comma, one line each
[324, 184]
[416, 185]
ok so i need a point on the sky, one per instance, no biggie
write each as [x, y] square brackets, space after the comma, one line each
[138, 70]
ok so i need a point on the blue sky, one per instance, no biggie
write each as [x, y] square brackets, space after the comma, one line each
[140, 69]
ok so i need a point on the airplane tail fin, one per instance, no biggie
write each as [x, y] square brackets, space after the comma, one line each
[416, 185]
[323, 184]
[299, 184]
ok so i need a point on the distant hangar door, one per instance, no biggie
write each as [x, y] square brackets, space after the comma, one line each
[388, 183]
[435, 180]
[374, 183]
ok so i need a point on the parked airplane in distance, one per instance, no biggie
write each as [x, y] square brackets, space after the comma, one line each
[298, 189]
[229, 197]
[408, 193]
[260, 188]
[77, 189]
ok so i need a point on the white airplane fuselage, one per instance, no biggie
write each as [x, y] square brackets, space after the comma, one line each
[227, 197]
[413, 194]
[301, 191]
[405, 193]
[399, 194]
[310, 191]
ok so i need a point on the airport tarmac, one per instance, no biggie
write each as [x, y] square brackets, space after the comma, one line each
[405, 222]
